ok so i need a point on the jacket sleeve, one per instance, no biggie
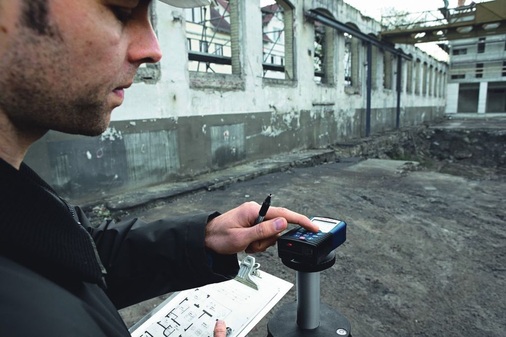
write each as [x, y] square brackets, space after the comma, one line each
[145, 260]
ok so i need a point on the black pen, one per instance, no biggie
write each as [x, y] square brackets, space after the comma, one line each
[263, 209]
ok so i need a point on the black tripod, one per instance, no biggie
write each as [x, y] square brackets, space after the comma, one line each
[308, 316]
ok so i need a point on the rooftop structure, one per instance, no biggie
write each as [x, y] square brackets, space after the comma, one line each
[465, 21]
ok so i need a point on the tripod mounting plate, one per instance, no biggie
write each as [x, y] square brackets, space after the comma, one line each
[305, 267]
[332, 323]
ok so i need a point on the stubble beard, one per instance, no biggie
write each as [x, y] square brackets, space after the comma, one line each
[31, 101]
[37, 91]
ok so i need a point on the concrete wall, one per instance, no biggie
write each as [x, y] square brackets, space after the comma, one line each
[175, 124]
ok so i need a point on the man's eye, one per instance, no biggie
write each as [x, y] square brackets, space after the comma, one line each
[122, 14]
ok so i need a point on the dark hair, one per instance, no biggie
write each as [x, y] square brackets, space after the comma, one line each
[36, 16]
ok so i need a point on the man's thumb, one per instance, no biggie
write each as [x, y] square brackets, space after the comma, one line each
[267, 229]
[220, 329]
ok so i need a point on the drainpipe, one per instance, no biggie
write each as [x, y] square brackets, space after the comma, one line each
[398, 85]
[368, 91]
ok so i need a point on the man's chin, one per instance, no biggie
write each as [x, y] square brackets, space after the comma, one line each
[91, 130]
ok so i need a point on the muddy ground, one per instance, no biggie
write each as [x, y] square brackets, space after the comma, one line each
[426, 244]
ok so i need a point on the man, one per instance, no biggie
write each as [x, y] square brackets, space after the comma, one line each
[65, 65]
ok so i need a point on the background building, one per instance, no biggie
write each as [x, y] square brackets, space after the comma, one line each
[477, 75]
[474, 34]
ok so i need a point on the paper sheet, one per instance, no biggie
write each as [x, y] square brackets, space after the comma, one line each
[194, 312]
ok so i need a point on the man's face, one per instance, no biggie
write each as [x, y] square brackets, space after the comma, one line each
[64, 63]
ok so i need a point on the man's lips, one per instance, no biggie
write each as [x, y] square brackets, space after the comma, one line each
[120, 91]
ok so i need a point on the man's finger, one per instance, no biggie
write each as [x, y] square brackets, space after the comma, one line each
[220, 329]
[292, 217]
[260, 246]
[263, 235]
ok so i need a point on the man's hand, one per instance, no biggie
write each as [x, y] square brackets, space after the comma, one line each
[220, 329]
[235, 231]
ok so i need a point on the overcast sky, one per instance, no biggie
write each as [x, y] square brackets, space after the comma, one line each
[375, 8]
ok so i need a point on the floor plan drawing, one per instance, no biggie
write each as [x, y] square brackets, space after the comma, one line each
[194, 312]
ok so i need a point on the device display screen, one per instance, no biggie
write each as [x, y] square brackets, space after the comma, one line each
[325, 226]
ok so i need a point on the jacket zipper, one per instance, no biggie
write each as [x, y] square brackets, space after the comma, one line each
[88, 235]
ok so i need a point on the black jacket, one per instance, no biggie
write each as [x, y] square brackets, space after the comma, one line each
[52, 276]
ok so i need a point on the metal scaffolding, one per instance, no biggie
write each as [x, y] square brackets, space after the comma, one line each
[474, 20]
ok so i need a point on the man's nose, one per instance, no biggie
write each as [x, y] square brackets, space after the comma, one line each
[144, 46]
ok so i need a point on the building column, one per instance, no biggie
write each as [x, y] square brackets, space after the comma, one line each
[452, 97]
[482, 97]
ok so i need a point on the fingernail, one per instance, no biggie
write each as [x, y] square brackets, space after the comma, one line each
[279, 224]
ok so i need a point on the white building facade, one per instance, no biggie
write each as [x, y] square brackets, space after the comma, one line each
[477, 75]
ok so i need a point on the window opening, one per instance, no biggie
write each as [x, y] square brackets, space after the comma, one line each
[209, 37]
[347, 60]
[458, 76]
[481, 45]
[479, 70]
[218, 48]
[460, 51]
[352, 66]
[277, 35]
[324, 51]
[273, 28]
[319, 52]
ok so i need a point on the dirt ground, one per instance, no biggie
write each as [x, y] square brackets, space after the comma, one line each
[425, 253]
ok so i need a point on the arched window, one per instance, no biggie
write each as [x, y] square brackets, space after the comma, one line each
[324, 51]
[277, 40]
[351, 60]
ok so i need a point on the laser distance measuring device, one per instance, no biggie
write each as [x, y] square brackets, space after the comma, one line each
[303, 246]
